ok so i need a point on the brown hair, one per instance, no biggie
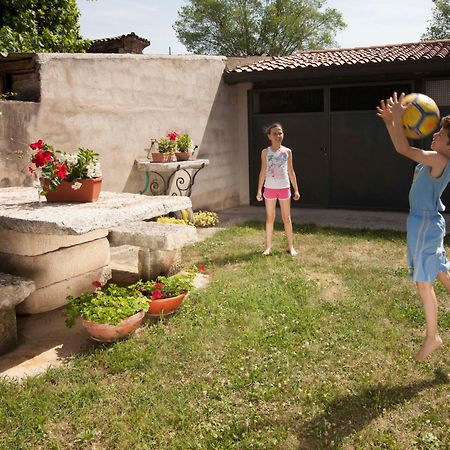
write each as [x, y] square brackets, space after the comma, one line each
[267, 129]
[445, 124]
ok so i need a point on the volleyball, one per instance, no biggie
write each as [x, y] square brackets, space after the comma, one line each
[421, 117]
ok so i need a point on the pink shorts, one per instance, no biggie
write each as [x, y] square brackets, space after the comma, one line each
[280, 194]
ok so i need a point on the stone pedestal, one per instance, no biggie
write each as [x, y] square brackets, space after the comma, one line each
[59, 265]
[13, 290]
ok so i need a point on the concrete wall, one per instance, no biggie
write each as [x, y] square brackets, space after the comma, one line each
[115, 104]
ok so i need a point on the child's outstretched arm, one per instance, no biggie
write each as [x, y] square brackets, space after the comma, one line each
[292, 177]
[391, 111]
[262, 175]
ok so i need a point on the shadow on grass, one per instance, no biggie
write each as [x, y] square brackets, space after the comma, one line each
[311, 228]
[350, 414]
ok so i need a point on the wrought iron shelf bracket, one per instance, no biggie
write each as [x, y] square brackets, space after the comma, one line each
[173, 178]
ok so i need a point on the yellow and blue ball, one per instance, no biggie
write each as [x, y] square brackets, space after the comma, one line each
[421, 117]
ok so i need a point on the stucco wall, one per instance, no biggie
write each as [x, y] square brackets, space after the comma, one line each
[115, 104]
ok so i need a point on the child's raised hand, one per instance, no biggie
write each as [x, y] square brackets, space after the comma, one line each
[396, 106]
[385, 110]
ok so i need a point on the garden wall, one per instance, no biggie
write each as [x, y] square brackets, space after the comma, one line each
[115, 104]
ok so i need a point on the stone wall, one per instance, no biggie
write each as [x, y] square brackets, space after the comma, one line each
[115, 104]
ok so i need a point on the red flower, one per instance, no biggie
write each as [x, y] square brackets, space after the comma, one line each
[159, 285]
[30, 169]
[61, 171]
[41, 158]
[97, 283]
[173, 136]
[157, 293]
[201, 267]
[37, 145]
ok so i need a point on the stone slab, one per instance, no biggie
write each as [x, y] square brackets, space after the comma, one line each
[144, 165]
[13, 290]
[27, 244]
[21, 212]
[153, 235]
[54, 296]
[59, 265]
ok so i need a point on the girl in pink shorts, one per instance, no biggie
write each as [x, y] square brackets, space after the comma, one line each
[277, 174]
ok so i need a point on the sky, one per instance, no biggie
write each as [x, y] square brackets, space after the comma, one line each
[369, 22]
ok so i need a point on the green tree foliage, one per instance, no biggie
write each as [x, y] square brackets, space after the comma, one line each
[40, 26]
[439, 27]
[251, 27]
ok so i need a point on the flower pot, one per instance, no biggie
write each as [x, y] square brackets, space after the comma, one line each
[183, 156]
[161, 157]
[103, 332]
[165, 306]
[67, 191]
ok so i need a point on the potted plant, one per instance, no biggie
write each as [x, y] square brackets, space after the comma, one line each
[109, 313]
[184, 143]
[62, 177]
[165, 294]
[166, 148]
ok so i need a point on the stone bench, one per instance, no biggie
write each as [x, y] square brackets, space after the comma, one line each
[159, 245]
[13, 290]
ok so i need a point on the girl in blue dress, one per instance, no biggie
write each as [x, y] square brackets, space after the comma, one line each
[425, 225]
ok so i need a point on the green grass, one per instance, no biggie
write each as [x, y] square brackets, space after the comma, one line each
[312, 352]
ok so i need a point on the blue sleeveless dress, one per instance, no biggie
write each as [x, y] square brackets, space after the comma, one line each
[426, 226]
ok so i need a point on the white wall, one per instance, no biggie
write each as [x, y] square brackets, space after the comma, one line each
[115, 104]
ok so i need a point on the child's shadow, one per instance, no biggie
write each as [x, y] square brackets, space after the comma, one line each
[352, 413]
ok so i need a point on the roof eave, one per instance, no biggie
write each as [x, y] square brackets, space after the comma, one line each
[395, 67]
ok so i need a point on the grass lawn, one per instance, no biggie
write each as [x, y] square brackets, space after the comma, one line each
[312, 352]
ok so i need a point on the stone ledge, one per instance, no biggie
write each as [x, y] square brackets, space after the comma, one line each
[153, 235]
[13, 290]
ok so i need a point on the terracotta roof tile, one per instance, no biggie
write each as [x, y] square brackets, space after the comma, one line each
[425, 50]
[118, 38]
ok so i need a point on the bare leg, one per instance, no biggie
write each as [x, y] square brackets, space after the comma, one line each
[285, 206]
[444, 278]
[432, 339]
[270, 220]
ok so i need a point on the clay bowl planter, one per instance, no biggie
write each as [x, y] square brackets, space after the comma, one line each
[65, 192]
[183, 156]
[102, 332]
[161, 157]
[165, 306]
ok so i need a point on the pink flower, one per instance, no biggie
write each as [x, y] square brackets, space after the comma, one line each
[37, 145]
[157, 293]
[97, 283]
[61, 171]
[201, 267]
[41, 158]
[173, 136]
[159, 285]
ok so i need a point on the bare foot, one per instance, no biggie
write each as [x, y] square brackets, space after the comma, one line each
[428, 347]
[266, 252]
[292, 251]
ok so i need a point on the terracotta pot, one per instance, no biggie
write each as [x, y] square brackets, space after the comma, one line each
[64, 193]
[183, 156]
[165, 306]
[161, 157]
[103, 332]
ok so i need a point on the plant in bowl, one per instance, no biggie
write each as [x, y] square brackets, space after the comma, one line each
[56, 170]
[184, 144]
[109, 313]
[166, 293]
